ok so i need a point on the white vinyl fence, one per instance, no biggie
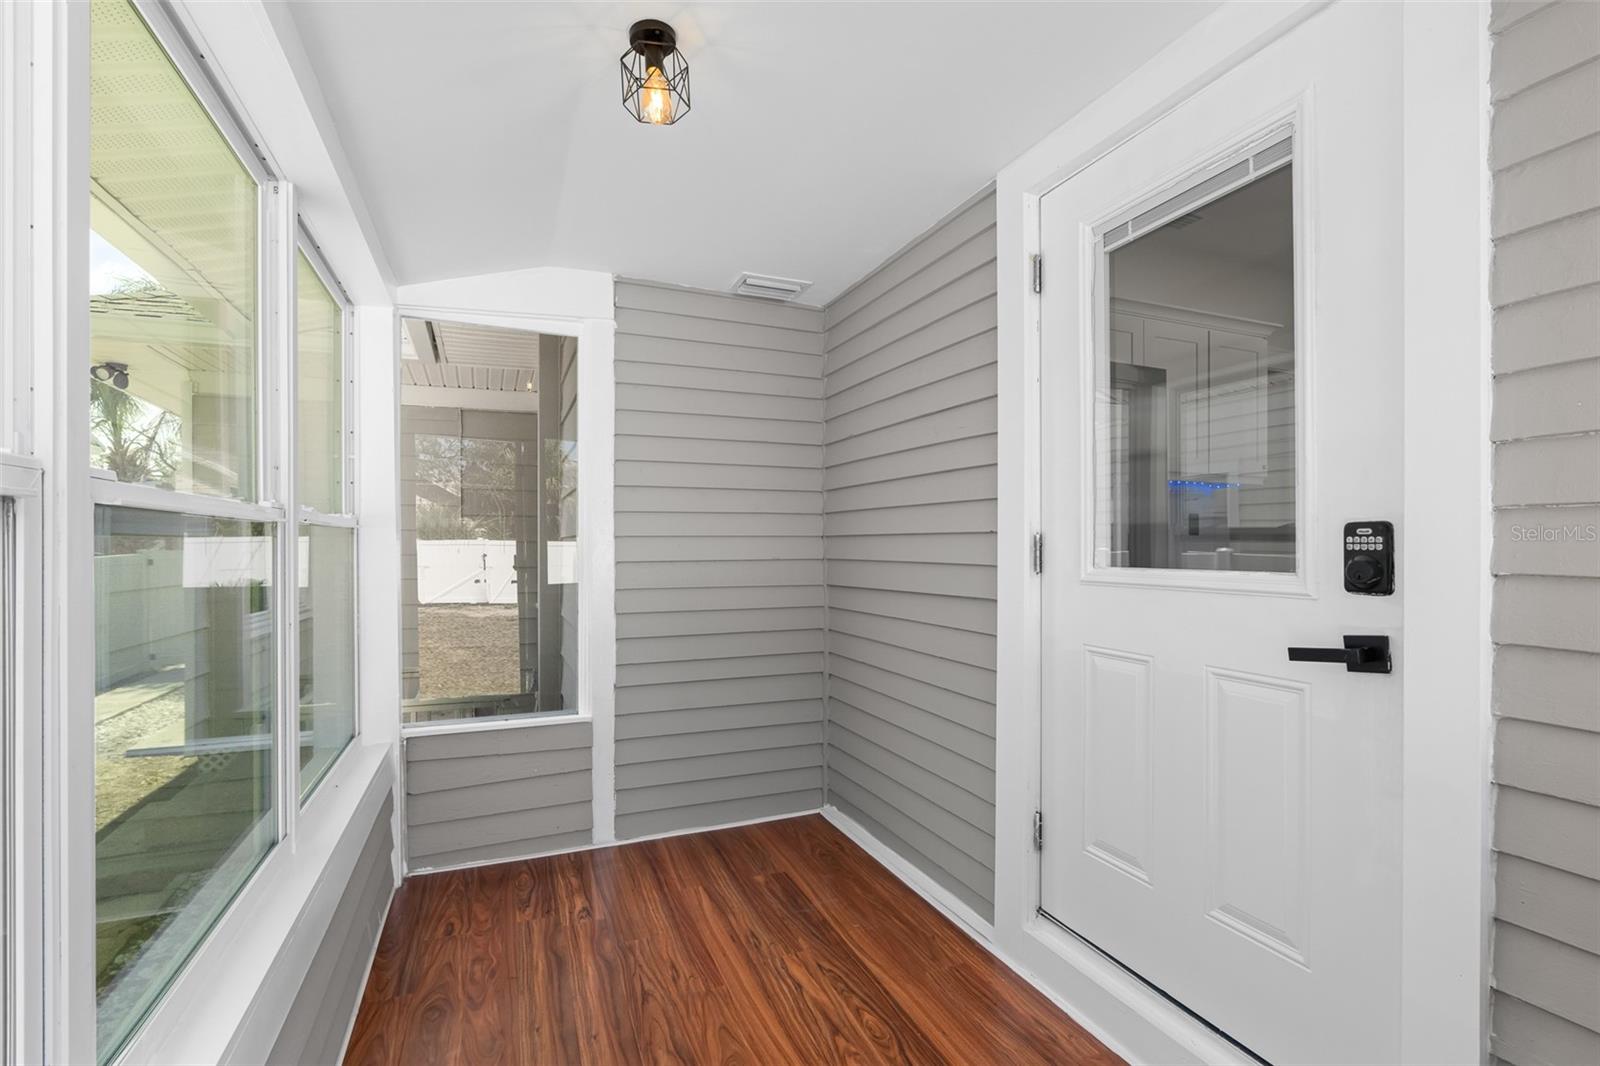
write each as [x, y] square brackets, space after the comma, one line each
[466, 571]
[482, 571]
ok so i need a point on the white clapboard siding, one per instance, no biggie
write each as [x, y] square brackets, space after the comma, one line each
[719, 559]
[1545, 154]
[497, 794]
[908, 523]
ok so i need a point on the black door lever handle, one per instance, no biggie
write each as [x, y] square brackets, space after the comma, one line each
[1360, 655]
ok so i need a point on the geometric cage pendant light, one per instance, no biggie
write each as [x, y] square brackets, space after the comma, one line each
[655, 77]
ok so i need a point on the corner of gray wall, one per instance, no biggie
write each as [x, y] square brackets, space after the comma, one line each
[909, 486]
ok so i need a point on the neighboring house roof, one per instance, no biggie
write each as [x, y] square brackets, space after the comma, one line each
[145, 303]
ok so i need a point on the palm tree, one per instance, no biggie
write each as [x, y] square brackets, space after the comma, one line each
[132, 439]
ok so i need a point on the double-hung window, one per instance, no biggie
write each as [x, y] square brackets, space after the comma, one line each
[223, 582]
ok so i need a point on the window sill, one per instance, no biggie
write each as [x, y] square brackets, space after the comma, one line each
[484, 725]
[229, 1002]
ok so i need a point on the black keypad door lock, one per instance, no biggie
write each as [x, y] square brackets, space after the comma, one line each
[1369, 558]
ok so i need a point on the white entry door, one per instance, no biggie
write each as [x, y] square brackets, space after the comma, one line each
[1220, 395]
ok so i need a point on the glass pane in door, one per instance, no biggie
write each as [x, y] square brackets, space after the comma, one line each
[1195, 414]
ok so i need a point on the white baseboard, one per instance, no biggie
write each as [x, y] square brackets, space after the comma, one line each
[945, 901]
[982, 931]
[419, 871]
[710, 828]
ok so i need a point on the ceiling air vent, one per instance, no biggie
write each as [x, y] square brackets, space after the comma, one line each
[768, 288]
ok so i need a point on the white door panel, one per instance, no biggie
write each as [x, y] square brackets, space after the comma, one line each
[1117, 771]
[1222, 821]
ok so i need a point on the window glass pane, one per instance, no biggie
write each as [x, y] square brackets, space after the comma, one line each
[490, 603]
[477, 610]
[320, 355]
[172, 274]
[184, 688]
[1195, 423]
[327, 648]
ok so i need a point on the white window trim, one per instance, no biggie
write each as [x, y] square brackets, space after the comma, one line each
[488, 725]
[16, 167]
[109, 492]
[22, 778]
[278, 363]
[1447, 891]
[1288, 124]
[61, 347]
[596, 544]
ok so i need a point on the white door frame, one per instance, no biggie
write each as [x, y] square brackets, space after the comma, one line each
[1446, 891]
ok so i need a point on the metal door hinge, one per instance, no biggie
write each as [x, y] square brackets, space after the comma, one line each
[1038, 553]
[1038, 272]
[1038, 830]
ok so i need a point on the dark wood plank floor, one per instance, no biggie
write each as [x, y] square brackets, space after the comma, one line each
[765, 945]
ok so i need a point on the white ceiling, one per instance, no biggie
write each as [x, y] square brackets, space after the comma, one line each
[490, 136]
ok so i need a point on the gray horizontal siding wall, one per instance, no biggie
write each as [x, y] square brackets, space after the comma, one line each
[318, 1021]
[909, 523]
[484, 795]
[1545, 153]
[719, 559]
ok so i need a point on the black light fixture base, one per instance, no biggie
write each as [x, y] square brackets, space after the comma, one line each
[651, 34]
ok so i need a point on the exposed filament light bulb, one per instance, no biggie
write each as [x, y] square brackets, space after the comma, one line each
[655, 98]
